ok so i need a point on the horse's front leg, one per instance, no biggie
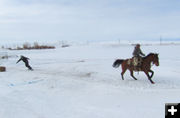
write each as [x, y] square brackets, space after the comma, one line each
[149, 77]
[152, 73]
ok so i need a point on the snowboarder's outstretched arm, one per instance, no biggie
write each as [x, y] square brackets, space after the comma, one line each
[19, 60]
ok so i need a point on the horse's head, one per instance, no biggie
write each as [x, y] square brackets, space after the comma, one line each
[155, 58]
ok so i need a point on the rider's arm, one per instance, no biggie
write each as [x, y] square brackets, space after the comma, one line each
[142, 53]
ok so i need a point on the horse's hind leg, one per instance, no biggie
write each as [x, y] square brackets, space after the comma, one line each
[122, 73]
[149, 77]
[132, 74]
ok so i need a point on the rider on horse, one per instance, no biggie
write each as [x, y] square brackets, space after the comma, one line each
[137, 59]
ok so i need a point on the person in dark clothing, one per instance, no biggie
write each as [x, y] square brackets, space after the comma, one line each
[25, 60]
[137, 53]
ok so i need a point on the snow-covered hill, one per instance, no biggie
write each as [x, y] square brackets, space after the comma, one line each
[80, 82]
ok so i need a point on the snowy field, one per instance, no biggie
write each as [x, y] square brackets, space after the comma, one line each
[80, 82]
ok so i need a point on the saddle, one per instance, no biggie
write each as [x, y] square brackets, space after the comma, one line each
[135, 62]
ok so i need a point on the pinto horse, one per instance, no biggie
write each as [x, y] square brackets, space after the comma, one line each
[145, 66]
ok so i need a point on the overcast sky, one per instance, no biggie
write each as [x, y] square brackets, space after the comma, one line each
[88, 20]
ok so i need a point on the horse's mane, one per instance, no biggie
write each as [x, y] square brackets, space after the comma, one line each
[150, 54]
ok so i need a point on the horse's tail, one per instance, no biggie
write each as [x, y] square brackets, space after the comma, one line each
[117, 63]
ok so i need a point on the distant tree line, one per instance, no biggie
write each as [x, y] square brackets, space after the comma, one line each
[28, 46]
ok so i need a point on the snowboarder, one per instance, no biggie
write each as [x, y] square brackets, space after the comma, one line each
[25, 60]
[137, 53]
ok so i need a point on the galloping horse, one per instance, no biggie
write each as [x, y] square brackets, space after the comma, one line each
[145, 66]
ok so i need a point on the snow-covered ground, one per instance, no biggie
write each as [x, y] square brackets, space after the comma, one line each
[80, 82]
